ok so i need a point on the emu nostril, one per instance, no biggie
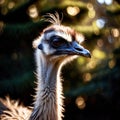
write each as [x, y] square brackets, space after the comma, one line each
[40, 47]
[77, 46]
[79, 49]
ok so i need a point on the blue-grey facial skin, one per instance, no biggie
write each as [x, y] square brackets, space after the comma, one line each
[70, 48]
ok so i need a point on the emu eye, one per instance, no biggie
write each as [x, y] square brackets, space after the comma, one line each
[57, 41]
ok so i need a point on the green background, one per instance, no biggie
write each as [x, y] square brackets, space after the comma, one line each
[91, 86]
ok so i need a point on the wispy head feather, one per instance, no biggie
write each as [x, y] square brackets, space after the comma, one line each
[53, 18]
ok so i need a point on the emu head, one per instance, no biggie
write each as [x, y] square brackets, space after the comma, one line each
[60, 41]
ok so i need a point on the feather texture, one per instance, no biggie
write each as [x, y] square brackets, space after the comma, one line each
[48, 103]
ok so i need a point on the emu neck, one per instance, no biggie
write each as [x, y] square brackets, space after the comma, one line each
[48, 104]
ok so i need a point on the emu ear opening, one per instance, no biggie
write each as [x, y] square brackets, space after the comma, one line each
[40, 46]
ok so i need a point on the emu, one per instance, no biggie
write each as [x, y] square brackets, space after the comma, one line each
[55, 46]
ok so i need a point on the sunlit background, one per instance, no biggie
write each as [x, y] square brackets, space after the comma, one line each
[91, 86]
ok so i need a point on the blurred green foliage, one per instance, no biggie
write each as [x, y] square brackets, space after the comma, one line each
[91, 86]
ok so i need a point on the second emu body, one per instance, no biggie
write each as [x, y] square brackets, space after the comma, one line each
[56, 45]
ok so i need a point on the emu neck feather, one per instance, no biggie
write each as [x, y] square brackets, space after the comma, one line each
[48, 104]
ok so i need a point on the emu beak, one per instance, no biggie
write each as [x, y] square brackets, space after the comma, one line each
[72, 48]
[85, 53]
[77, 49]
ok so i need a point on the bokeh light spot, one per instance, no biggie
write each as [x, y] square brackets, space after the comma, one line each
[11, 5]
[100, 23]
[14, 56]
[91, 14]
[80, 102]
[111, 63]
[115, 32]
[2, 2]
[87, 77]
[101, 1]
[73, 11]
[33, 12]
[90, 6]
[100, 43]
[92, 64]
[98, 54]
[108, 2]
